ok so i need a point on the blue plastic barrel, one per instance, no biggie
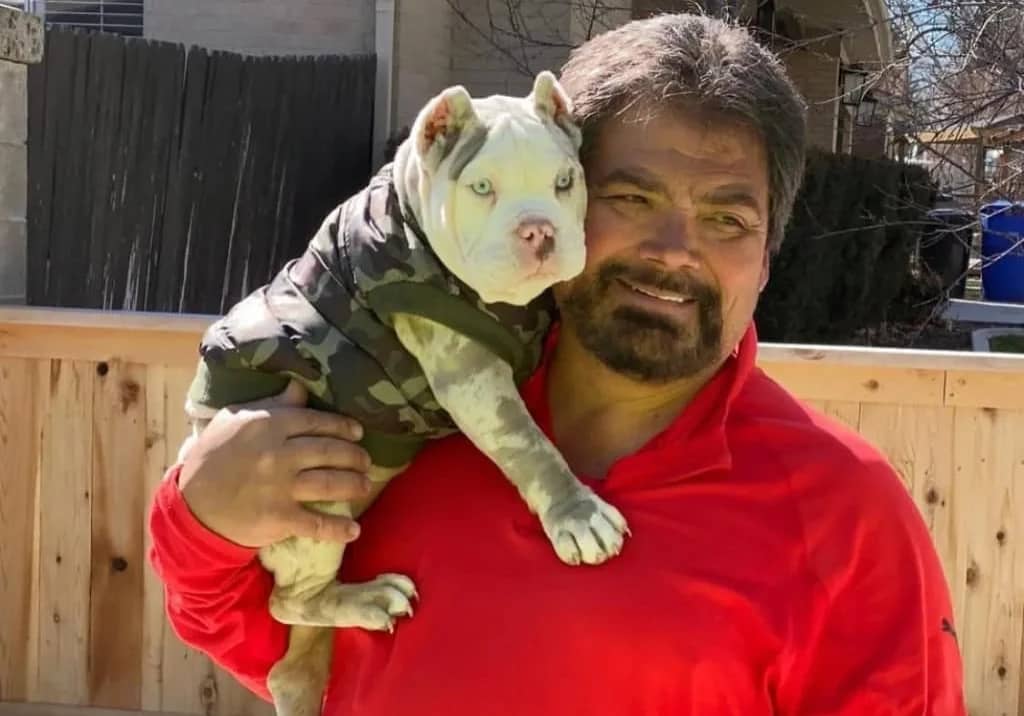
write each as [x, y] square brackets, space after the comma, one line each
[1002, 252]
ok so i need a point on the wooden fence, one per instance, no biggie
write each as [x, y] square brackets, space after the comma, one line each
[90, 417]
[166, 179]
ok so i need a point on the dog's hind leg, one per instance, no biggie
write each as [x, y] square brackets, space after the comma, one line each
[297, 681]
[308, 597]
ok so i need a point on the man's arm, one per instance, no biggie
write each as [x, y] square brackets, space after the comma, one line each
[216, 592]
[243, 484]
[880, 639]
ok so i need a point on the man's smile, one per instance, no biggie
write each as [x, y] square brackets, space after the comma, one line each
[660, 294]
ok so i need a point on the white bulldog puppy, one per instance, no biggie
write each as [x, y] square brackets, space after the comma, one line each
[418, 309]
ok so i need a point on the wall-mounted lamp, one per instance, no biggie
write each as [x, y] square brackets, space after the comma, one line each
[866, 110]
[853, 83]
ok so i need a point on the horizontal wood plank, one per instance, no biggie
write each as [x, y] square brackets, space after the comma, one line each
[12, 708]
[980, 389]
[860, 384]
[98, 344]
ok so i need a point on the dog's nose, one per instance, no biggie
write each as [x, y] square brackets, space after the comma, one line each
[539, 235]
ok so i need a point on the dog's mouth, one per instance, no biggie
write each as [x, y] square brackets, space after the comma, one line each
[545, 269]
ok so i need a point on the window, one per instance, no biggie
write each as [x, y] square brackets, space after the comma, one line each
[764, 23]
[121, 17]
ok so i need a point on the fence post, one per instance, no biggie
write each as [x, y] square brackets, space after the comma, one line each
[384, 49]
[21, 44]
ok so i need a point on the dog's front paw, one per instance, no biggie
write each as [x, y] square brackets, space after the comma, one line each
[584, 529]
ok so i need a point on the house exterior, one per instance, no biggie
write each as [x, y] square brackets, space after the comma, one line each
[281, 27]
[425, 45]
[826, 46]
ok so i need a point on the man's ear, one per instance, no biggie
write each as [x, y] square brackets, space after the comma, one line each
[551, 101]
[766, 270]
[439, 125]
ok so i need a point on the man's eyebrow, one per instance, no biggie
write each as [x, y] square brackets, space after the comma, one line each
[733, 195]
[637, 177]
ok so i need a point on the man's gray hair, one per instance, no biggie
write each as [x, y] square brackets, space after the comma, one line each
[692, 62]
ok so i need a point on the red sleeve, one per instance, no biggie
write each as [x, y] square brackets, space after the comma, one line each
[215, 591]
[879, 639]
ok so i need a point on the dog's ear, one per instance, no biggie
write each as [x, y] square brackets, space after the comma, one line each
[440, 123]
[551, 101]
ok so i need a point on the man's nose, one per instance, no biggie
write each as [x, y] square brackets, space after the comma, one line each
[539, 235]
[675, 242]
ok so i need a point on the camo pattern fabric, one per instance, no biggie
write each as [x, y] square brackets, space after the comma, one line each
[324, 319]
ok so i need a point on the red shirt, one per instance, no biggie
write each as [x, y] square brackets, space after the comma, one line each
[777, 565]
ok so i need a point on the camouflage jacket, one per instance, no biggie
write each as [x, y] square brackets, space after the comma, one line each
[325, 320]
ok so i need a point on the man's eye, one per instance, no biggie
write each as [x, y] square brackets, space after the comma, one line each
[629, 198]
[729, 221]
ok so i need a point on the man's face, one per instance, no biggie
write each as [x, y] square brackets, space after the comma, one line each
[676, 245]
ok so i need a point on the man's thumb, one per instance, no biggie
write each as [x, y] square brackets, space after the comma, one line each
[294, 394]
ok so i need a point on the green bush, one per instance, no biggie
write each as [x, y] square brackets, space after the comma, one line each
[845, 262]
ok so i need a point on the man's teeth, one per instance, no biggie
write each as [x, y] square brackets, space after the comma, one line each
[673, 297]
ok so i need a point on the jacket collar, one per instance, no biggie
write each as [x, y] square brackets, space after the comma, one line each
[694, 443]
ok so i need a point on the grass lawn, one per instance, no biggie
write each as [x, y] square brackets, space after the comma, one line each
[1012, 343]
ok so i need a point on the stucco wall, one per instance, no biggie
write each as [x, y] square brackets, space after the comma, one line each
[815, 71]
[423, 50]
[265, 27]
[471, 42]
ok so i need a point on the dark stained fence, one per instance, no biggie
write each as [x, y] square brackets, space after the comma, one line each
[166, 179]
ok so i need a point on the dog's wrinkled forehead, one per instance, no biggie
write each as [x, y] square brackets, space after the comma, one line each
[506, 132]
[466, 148]
[453, 129]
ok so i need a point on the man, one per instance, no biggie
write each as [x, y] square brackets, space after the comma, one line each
[776, 563]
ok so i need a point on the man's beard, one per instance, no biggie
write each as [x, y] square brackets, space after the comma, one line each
[643, 345]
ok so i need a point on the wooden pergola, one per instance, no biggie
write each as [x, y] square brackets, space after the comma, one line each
[1005, 133]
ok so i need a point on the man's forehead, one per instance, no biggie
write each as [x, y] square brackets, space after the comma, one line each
[665, 147]
[662, 164]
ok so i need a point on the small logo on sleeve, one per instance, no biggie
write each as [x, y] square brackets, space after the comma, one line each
[947, 626]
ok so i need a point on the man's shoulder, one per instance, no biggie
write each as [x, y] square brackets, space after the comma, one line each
[822, 457]
[767, 406]
[852, 504]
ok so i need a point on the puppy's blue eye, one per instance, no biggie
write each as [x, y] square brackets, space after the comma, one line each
[481, 187]
[564, 181]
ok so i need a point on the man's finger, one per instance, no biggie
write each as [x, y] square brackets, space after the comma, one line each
[330, 485]
[302, 422]
[294, 394]
[312, 452]
[321, 527]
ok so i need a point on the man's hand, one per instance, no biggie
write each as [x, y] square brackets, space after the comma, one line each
[248, 473]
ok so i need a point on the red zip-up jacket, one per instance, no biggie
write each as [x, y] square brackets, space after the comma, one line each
[777, 565]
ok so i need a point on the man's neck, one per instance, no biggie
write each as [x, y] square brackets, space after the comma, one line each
[599, 416]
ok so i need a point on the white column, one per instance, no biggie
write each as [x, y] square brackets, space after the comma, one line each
[383, 110]
[21, 43]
